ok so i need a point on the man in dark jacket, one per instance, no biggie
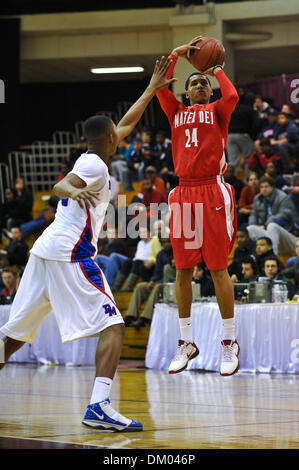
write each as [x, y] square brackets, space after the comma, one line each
[134, 168]
[201, 276]
[17, 250]
[273, 273]
[245, 248]
[149, 291]
[264, 250]
[241, 132]
[285, 139]
[273, 215]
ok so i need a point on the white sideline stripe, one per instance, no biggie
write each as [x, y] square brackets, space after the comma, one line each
[2, 351]
[227, 203]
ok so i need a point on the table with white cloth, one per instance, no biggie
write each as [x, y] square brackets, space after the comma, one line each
[268, 335]
[47, 347]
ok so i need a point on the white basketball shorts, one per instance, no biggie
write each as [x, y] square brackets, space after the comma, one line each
[78, 294]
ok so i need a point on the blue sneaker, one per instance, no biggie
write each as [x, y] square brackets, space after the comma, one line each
[103, 416]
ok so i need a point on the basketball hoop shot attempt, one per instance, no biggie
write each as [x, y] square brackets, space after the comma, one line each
[202, 204]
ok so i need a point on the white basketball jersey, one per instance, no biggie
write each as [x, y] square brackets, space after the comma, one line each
[73, 234]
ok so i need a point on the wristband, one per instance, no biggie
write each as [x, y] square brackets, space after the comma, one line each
[173, 57]
[215, 67]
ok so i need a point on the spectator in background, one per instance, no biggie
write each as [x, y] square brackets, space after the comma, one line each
[146, 137]
[149, 291]
[147, 160]
[247, 196]
[259, 159]
[293, 192]
[134, 268]
[113, 255]
[151, 196]
[285, 139]
[16, 250]
[134, 170]
[249, 270]
[10, 279]
[18, 205]
[4, 263]
[157, 182]
[274, 273]
[271, 205]
[119, 160]
[272, 172]
[163, 159]
[201, 276]
[38, 225]
[263, 250]
[240, 134]
[245, 248]
[269, 129]
[231, 178]
[273, 215]
[9, 211]
[286, 108]
[262, 108]
[82, 147]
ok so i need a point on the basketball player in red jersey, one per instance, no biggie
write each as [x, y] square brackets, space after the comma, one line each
[202, 204]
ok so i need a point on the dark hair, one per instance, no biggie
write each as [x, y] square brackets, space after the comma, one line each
[250, 172]
[268, 240]
[244, 230]
[250, 260]
[10, 269]
[96, 127]
[196, 73]
[267, 179]
[271, 258]
[283, 113]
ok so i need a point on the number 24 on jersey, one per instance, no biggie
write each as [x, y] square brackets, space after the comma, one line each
[192, 139]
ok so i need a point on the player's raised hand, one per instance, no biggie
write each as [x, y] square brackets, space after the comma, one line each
[159, 79]
[185, 49]
[84, 196]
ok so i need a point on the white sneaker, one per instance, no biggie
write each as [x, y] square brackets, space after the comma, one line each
[184, 354]
[230, 362]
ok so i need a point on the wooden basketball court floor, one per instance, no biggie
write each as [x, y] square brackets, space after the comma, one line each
[42, 407]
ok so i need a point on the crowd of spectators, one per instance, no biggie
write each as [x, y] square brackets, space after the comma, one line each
[262, 155]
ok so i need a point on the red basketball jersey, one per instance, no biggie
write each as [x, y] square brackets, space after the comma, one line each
[199, 132]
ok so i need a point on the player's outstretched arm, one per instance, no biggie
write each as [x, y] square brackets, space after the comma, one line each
[158, 81]
[75, 188]
[226, 104]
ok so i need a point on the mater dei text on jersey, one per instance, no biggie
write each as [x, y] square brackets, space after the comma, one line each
[192, 117]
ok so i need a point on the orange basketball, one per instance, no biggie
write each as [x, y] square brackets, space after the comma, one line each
[211, 53]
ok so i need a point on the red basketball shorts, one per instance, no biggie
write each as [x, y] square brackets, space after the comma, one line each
[203, 222]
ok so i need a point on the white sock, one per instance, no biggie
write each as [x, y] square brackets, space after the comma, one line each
[186, 330]
[101, 389]
[228, 328]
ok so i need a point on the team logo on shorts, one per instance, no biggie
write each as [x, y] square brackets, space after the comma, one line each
[109, 310]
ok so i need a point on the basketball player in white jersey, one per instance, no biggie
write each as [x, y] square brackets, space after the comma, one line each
[61, 274]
